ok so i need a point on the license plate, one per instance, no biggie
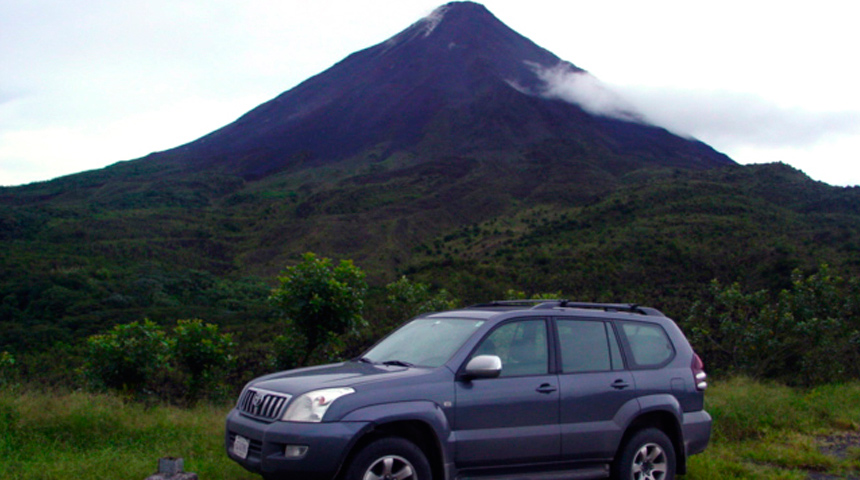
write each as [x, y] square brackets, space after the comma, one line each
[240, 447]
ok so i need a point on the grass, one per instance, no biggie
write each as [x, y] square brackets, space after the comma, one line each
[82, 435]
[761, 431]
[770, 431]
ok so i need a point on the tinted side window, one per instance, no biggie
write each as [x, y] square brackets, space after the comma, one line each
[522, 347]
[588, 346]
[649, 344]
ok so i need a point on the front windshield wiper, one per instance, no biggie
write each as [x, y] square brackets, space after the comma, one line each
[363, 360]
[398, 363]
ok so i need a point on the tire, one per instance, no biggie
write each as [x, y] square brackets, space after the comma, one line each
[390, 458]
[648, 455]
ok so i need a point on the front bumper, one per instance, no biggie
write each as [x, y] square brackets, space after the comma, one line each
[328, 445]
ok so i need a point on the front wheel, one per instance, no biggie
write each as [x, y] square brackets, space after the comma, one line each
[390, 458]
[648, 455]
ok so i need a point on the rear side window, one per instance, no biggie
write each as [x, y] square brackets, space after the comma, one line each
[649, 344]
[588, 346]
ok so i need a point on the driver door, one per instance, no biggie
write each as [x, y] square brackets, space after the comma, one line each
[513, 418]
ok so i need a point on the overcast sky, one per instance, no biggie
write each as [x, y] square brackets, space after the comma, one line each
[87, 83]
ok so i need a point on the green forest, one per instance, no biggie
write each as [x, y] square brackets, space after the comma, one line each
[731, 254]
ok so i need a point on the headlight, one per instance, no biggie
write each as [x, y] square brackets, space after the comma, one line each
[311, 407]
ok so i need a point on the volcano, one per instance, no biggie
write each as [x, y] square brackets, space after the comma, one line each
[457, 82]
[444, 153]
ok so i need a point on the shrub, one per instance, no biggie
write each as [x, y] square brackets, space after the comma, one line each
[200, 351]
[7, 367]
[806, 335]
[321, 301]
[406, 299]
[127, 357]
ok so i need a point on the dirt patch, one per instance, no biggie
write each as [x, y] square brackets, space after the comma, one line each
[837, 445]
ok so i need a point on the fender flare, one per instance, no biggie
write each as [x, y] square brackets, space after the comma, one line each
[423, 411]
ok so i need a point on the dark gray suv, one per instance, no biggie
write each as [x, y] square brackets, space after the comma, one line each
[549, 389]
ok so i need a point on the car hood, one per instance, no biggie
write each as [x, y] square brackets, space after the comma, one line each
[347, 374]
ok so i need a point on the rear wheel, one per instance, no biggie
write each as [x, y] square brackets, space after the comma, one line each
[390, 458]
[648, 455]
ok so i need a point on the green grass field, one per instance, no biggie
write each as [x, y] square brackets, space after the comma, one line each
[762, 431]
[87, 436]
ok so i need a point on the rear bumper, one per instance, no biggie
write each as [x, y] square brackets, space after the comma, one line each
[697, 431]
[327, 445]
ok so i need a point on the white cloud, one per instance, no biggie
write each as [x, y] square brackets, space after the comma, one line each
[565, 82]
[825, 144]
[740, 118]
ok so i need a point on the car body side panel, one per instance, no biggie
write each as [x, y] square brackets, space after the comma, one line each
[595, 410]
[506, 421]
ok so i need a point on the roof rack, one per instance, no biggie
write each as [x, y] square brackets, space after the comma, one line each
[614, 307]
[517, 303]
[540, 304]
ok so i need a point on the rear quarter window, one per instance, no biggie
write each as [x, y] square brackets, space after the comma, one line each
[648, 343]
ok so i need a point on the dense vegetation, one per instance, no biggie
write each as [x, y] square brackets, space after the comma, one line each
[85, 253]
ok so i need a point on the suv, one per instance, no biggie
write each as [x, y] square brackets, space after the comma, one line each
[549, 389]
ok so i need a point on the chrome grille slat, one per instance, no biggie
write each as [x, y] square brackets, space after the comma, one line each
[263, 404]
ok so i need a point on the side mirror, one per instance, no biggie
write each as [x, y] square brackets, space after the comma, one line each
[483, 366]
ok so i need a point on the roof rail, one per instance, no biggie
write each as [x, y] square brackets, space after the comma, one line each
[534, 303]
[614, 307]
[539, 304]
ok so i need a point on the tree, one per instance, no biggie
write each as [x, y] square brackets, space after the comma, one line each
[7, 366]
[807, 334]
[406, 299]
[512, 294]
[200, 350]
[127, 357]
[320, 300]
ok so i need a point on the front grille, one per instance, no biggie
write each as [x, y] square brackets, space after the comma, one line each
[262, 403]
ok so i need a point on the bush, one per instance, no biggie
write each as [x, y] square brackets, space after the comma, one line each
[200, 351]
[321, 301]
[131, 358]
[406, 299]
[7, 368]
[126, 358]
[806, 335]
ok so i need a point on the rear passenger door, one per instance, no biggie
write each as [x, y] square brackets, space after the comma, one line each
[513, 418]
[595, 387]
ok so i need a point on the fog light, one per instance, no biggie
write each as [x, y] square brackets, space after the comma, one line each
[295, 451]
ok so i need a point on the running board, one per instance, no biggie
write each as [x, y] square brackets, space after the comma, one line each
[600, 471]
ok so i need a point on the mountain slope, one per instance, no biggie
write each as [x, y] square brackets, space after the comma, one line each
[456, 82]
[437, 153]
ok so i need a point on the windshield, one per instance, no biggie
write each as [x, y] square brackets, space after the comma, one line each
[425, 342]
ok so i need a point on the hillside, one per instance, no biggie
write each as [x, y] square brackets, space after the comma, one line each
[654, 237]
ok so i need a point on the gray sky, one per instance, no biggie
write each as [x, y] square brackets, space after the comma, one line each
[88, 83]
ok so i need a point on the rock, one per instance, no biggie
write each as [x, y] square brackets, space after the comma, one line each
[170, 468]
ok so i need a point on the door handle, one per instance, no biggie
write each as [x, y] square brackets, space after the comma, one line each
[620, 384]
[546, 388]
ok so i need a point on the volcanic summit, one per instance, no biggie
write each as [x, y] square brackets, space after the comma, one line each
[457, 82]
